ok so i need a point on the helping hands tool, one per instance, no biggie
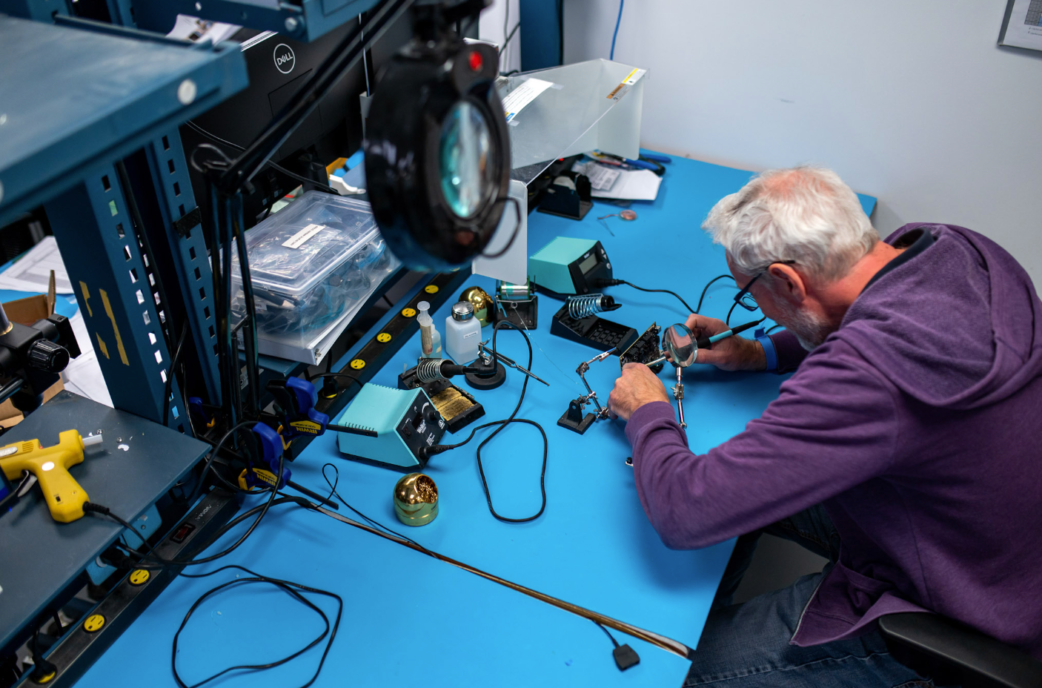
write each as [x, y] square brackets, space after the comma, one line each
[65, 498]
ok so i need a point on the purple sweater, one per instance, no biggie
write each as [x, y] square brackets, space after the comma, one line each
[918, 425]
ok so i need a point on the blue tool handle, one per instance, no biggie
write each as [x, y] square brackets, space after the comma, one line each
[657, 157]
[706, 341]
[640, 164]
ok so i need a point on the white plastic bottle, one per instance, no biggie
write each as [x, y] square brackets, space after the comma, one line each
[462, 333]
[430, 338]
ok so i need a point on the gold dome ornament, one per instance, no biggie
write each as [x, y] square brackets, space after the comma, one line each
[482, 303]
[416, 500]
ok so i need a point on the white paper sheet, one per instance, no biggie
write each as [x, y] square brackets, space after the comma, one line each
[32, 272]
[83, 374]
[601, 178]
[635, 185]
[516, 100]
[1024, 29]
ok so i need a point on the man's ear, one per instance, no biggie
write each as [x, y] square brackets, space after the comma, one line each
[789, 283]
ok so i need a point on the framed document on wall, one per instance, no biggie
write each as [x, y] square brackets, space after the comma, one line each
[1022, 25]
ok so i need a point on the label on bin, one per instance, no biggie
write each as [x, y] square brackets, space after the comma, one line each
[301, 237]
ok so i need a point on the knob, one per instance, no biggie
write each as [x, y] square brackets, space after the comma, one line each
[432, 416]
[47, 356]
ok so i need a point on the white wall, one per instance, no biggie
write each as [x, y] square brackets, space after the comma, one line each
[909, 100]
[490, 28]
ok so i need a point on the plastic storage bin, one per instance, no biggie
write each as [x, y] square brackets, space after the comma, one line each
[313, 265]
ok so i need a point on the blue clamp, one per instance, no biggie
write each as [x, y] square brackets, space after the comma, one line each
[768, 348]
[298, 398]
[270, 447]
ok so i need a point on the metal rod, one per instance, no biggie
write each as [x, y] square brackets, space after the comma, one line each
[678, 394]
[668, 644]
[511, 363]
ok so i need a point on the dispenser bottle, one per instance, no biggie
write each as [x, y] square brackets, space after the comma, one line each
[430, 338]
[462, 333]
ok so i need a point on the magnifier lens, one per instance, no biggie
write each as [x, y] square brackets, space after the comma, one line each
[680, 344]
[464, 158]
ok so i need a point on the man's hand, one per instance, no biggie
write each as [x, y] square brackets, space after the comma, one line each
[732, 353]
[635, 387]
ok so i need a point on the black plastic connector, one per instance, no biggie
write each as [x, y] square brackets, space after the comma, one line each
[625, 657]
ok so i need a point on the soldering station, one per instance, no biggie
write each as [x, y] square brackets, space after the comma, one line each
[268, 213]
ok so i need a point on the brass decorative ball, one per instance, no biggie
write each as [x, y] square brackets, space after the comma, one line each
[481, 301]
[416, 499]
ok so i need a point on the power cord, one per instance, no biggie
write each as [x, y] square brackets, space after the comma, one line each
[295, 590]
[500, 425]
[615, 282]
[278, 168]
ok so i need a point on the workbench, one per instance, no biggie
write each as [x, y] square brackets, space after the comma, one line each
[411, 619]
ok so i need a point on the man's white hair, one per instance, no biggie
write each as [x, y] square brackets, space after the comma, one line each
[803, 214]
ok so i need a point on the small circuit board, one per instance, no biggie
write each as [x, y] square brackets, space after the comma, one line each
[645, 349]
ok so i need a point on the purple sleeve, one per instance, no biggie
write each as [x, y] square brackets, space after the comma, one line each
[833, 426]
[789, 350]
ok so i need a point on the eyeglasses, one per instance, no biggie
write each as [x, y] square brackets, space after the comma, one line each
[747, 300]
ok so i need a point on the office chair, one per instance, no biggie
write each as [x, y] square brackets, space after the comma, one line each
[953, 654]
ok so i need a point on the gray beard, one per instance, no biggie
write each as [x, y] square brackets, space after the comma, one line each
[810, 330]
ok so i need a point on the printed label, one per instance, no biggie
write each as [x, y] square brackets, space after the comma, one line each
[302, 237]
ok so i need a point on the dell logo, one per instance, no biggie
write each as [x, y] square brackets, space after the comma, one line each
[284, 58]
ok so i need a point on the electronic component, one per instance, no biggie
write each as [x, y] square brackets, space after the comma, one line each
[456, 406]
[645, 350]
[592, 331]
[518, 304]
[569, 266]
[390, 427]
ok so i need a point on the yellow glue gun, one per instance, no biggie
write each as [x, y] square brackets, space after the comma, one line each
[65, 498]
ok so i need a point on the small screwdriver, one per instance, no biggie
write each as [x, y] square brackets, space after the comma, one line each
[511, 363]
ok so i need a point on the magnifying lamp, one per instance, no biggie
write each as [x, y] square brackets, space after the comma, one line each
[437, 153]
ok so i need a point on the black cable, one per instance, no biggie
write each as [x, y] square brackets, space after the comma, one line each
[517, 228]
[560, 28]
[728, 320]
[511, 35]
[502, 424]
[12, 496]
[278, 168]
[614, 282]
[706, 288]
[169, 384]
[610, 636]
[213, 454]
[376, 524]
[293, 589]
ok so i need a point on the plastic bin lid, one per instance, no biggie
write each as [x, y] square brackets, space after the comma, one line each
[294, 249]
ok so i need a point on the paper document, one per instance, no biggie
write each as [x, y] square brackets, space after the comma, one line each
[601, 177]
[32, 272]
[83, 374]
[516, 100]
[633, 185]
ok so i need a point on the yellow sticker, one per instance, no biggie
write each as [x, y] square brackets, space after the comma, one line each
[139, 576]
[358, 364]
[431, 289]
[409, 312]
[94, 623]
[383, 337]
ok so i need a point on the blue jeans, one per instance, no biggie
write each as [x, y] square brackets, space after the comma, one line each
[747, 645]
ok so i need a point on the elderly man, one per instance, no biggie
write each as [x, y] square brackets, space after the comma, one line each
[906, 448]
